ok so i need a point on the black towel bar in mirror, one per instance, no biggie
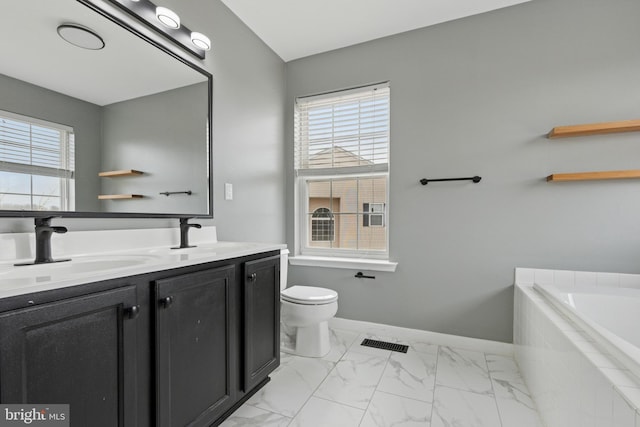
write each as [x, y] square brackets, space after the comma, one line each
[168, 193]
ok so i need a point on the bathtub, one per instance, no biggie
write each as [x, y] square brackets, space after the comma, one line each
[610, 316]
[576, 341]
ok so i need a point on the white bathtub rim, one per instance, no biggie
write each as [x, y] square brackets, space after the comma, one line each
[623, 352]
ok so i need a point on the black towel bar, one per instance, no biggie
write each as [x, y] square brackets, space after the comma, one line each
[476, 179]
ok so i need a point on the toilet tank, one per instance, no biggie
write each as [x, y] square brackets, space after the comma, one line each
[284, 265]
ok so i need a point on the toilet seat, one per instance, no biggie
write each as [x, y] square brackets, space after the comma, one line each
[308, 295]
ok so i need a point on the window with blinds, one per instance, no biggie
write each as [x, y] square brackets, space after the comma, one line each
[36, 164]
[343, 130]
[341, 159]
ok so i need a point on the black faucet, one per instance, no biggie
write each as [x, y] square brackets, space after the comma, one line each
[44, 230]
[184, 233]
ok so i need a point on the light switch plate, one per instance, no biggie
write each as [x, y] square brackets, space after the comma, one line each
[228, 191]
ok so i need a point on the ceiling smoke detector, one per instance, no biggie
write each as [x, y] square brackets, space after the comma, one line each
[80, 36]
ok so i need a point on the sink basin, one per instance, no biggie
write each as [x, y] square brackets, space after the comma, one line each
[78, 265]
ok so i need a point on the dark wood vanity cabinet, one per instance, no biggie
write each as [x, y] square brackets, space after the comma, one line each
[79, 351]
[261, 319]
[193, 347]
[180, 347]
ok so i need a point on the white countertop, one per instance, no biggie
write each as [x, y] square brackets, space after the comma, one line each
[87, 266]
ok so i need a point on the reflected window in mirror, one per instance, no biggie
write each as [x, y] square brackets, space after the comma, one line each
[36, 164]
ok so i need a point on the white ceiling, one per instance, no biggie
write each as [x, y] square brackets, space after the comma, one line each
[299, 28]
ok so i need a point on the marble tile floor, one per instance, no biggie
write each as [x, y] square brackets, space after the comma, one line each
[430, 385]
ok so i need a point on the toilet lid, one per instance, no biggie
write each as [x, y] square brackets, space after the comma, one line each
[309, 295]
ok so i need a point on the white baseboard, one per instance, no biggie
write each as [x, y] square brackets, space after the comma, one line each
[486, 346]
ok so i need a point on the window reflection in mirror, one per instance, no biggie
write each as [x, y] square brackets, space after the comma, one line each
[36, 164]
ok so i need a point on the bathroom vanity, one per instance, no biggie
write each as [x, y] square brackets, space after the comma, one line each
[183, 341]
[129, 332]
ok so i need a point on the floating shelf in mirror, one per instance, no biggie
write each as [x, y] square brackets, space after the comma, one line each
[154, 107]
[119, 196]
[115, 174]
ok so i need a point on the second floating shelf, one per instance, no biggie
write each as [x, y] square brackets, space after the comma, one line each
[590, 176]
[126, 172]
[119, 196]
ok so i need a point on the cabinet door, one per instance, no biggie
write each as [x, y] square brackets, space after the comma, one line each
[193, 327]
[261, 319]
[80, 351]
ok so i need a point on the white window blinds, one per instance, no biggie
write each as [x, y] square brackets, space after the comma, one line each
[349, 131]
[36, 164]
[33, 146]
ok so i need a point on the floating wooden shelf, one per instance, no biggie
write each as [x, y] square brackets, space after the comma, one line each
[589, 176]
[594, 129]
[119, 196]
[113, 174]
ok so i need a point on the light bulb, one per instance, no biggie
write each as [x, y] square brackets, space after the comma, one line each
[200, 40]
[168, 17]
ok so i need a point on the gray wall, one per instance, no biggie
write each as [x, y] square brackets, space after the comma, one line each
[476, 96]
[30, 100]
[248, 135]
[165, 136]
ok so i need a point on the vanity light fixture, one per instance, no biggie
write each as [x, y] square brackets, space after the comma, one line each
[166, 22]
[200, 40]
[80, 36]
[168, 17]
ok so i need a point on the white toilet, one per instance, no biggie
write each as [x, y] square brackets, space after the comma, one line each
[304, 313]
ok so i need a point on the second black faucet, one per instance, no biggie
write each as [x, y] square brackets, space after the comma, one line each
[184, 233]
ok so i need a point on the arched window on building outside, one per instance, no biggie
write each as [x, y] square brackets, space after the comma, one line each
[322, 225]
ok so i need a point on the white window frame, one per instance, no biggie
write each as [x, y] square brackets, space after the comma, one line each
[66, 171]
[343, 258]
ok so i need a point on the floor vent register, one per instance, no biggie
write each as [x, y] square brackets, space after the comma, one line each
[385, 345]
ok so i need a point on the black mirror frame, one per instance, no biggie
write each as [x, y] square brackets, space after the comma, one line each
[154, 38]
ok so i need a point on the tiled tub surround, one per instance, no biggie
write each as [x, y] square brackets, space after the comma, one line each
[441, 381]
[148, 250]
[574, 379]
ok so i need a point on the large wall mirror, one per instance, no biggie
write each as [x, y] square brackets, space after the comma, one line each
[71, 117]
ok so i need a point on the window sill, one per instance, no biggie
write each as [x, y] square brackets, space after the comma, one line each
[351, 263]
